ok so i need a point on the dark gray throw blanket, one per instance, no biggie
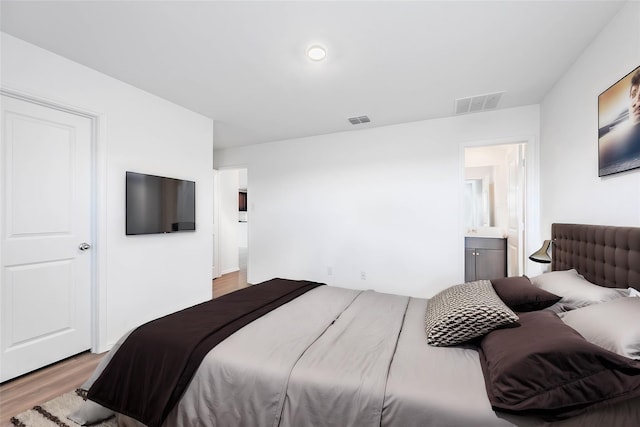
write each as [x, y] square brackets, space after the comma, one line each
[151, 370]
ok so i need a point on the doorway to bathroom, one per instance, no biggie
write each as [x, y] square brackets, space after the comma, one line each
[494, 207]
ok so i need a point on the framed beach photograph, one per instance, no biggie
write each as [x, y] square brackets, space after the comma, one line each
[619, 126]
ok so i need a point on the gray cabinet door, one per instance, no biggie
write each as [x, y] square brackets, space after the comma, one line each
[469, 265]
[484, 258]
[490, 264]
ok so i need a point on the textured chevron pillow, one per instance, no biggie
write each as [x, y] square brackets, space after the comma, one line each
[463, 312]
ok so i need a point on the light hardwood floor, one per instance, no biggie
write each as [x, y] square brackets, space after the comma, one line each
[44, 384]
[29, 390]
[229, 283]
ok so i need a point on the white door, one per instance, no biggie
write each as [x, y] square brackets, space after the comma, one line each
[515, 203]
[45, 218]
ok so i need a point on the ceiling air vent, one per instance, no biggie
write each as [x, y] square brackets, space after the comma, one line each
[358, 120]
[473, 104]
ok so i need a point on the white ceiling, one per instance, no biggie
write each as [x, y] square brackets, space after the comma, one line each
[242, 63]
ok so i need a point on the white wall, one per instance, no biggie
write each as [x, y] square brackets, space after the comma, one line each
[242, 179]
[139, 277]
[571, 190]
[229, 182]
[243, 235]
[384, 201]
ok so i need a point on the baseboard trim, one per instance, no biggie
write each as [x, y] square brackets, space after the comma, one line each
[231, 270]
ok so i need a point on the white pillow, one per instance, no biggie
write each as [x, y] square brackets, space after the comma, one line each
[575, 290]
[614, 325]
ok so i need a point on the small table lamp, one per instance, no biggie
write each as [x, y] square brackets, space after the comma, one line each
[542, 254]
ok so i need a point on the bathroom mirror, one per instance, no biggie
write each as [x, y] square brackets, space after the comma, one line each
[479, 200]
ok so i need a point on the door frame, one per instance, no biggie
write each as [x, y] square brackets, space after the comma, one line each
[218, 205]
[97, 208]
[215, 270]
[532, 194]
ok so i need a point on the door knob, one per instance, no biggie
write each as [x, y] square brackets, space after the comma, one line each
[84, 246]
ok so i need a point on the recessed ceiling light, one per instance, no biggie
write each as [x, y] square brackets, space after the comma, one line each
[316, 52]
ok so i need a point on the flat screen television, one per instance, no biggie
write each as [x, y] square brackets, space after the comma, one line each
[157, 204]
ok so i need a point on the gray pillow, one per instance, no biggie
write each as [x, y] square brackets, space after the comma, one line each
[575, 290]
[557, 308]
[613, 325]
[89, 413]
[463, 312]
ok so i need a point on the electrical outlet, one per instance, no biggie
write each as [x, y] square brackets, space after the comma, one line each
[363, 275]
[329, 271]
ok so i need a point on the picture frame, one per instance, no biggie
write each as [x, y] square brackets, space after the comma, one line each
[619, 126]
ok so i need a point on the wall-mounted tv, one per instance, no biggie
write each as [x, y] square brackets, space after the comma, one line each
[157, 204]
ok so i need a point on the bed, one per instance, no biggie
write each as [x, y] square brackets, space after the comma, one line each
[332, 356]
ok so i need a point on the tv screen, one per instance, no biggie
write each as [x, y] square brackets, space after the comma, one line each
[157, 204]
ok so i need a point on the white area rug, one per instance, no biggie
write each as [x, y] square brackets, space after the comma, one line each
[54, 413]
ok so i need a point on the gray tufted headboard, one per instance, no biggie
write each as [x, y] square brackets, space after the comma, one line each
[605, 255]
